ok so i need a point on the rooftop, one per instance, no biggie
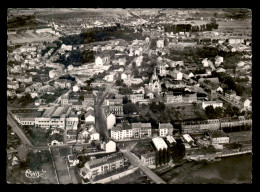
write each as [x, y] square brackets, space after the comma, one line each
[165, 126]
[107, 159]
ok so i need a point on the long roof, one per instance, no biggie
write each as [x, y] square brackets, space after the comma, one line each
[107, 159]
[165, 126]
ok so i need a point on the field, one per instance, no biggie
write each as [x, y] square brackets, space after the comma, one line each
[240, 136]
[30, 36]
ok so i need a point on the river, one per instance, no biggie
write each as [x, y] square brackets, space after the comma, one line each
[230, 170]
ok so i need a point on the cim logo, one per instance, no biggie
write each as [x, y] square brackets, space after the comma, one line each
[33, 174]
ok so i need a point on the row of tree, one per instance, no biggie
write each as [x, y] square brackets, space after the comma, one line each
[220, 112]
[162, 157]
[102, 34]
[189, 28]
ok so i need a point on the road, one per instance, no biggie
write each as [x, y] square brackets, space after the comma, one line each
[136, 162]
[61, 167]
[18, 131]
[99, 114]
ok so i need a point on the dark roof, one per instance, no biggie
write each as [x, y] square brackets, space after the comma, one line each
[107, 159]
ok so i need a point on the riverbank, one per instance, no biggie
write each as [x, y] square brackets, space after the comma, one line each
[235, 169]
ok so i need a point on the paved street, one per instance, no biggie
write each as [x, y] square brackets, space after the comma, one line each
[136, 162]
[18, 131]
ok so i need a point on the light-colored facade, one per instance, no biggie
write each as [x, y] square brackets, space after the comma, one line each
[101, 166]
[148, 158]
[159, 143]
[165, 129]
[111, 120]
[213, 103]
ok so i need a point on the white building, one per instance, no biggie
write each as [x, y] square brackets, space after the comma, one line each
[99, 61]
[111, 120]
[165, 129]
[213, 103]
[110, 146]
[218, 60]
[159, 143]
[170, 139]
[160, 43]
[188, 139]
[138, 61]
[90, 117]
[247, 103]
[205, 62]
[66, 47]
[220, 140]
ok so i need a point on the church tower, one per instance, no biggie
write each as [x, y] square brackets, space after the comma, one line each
[155, 85]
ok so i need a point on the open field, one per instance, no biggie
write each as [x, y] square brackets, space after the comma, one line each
[49, 177]
[240, 136]
[30, 36]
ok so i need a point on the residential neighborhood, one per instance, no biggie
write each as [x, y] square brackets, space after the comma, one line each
[126, 95]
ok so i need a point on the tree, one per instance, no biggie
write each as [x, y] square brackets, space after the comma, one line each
[164, 156]
[168, 155]
[157, 158]
[178, 151]
[160, 157]
[126, 100]
[129, 108]
[218, 112]
[210, 112]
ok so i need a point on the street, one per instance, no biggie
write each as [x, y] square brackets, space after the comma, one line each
[136, 162]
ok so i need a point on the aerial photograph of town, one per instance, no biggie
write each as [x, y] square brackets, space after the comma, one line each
[129, 96]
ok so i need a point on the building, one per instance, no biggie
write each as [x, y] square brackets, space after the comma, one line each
[165, 129]
[122, 131]
[170, 139]
[154, 84]
[219, 137]
[160, 43]
[55, 116]
[94, 135]
[218, 60]
[213, 103]
[177, 75]
[90, 117]
[136, 97]
[189, 98]
[173, 98]
[73, 161]
[110, 147]
[55, 139]
[148, 158]
[159, 143]
[111, 120]
[188, 139]
[89, 100]
[101, 60]
[200, 126]
[141, 130]
[247, 104]
[102, 166]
